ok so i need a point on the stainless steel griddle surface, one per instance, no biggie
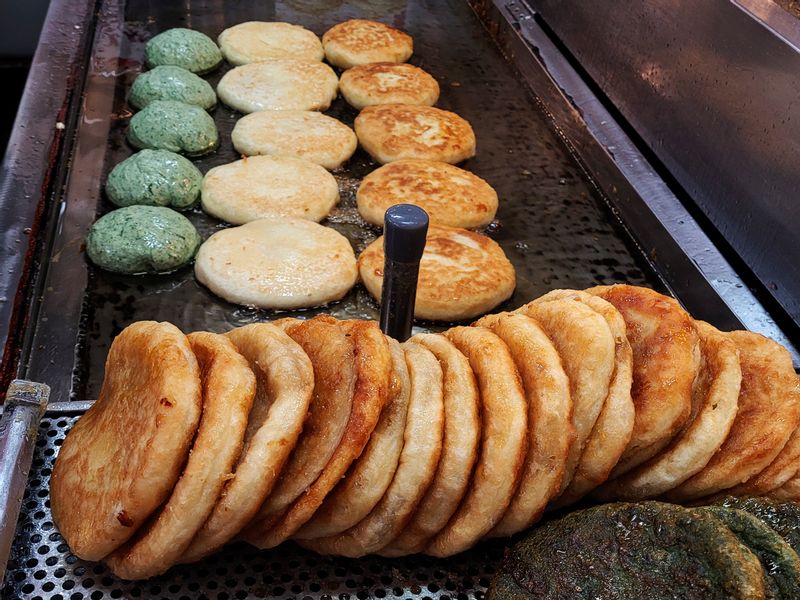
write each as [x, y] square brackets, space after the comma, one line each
[554, 228]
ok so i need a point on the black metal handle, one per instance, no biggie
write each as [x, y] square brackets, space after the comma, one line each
[404, 230]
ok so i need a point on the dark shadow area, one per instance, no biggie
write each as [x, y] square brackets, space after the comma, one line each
[13, 74]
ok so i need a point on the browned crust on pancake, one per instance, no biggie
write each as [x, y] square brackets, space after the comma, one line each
[504, 443]
[462, 274]
[122, 458]
[450, 195]
[666, 358]
[392, 132]
[361, 41]
[229, 386]
[779, 472]
[372, 390]
[332, 356]
[366, 85]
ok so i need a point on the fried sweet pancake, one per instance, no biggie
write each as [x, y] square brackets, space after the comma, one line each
[121, 460]
[392, 132]
[372, 392]
[279, 84]
[284, 385]
[717, 393]
[587, 349]
[332, 356]
[614, 426]
[666, 359]
[229, 387]
[646, 550]
[768, 414]
[462, 274]
[388, 83]
[451, 196]
[418, 461]
[303, 134]
[789, 491]
[359, 41]
[256, 41]
[280, 263]
[550, 429]
[462, 431]
[504, 441]
[369, 476]
[268, 187]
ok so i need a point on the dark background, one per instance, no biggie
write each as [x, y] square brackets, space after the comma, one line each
[20, 24]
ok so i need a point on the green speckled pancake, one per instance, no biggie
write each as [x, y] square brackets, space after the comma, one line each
[184, 48]
[780, 563]
[174, 126]
[155, 178]
[783, 517]
[142, 239]
[172, 83]
[626, 551]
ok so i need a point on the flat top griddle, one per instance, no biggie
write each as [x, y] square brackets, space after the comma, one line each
[553, 226]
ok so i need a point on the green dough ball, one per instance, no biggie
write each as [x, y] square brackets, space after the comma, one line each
[172, 83]
[185, 48]
[154, 178]
[142, 239]
[174, 126]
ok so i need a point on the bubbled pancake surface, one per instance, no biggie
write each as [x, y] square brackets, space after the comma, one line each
[279, 84]
[123, 457]
[462, 274]
[360, 41]
[229, 387]
[451, 196]
[392, 132]
[263, 187]
[256, 41]
[304, 134]
[388, 83]
[280, 263]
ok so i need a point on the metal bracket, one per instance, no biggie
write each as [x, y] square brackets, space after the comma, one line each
[25, 404]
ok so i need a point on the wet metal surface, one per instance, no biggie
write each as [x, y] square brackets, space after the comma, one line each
[553, 227]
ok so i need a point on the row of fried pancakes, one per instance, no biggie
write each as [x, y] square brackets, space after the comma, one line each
[329, 433]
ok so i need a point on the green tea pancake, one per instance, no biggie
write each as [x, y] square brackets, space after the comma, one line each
[184, 48]
[780, 563]
[174, 126]
[142, 239]
[172, 83]
[623, 551]
[783, 517]
[155, 178]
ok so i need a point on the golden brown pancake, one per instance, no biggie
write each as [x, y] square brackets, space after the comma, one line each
[587, 349]
[369, 476]
[666, 359]
[789, 491]
[768, 414]
[284, 384]
[396, 131]
[451, 196]
[550, 429]
[717, 392]
[388, 83]
[332, 356]
[418, 461]
[372, 392]
[778, 473]
[121, 460]
[229, 387]
[504, 441]
[462, 431]
[614, 426]
[462, 274]
[359, 41]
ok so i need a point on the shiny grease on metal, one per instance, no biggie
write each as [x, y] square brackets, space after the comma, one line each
[42, 567]
[553, 227]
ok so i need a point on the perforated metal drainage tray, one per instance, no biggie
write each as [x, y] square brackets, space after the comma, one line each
[42, 567]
